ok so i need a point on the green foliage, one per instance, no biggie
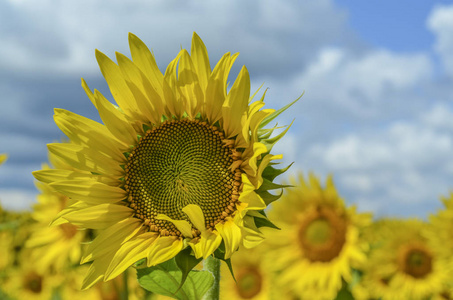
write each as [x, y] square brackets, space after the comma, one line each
[344, 293]
[186, 262]
[165, 279]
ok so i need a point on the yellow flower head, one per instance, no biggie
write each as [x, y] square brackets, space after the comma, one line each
[251, 280]
[403, 264]
[181, 161]
[318, 243]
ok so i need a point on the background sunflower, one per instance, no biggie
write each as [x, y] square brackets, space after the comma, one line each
[403, 264]
[319, 241]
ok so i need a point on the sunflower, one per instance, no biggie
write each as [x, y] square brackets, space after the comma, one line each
[54, 247]
[251, 280]
[319, 242]
[405, 265]
[27, 283]
[179, 162]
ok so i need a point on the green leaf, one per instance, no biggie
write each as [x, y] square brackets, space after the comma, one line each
[276, 113]
[186, 262]
[264, 222]
[267, 197]
[261, 219]
[271, 173]
[220, 254]
[269, 185]
[165, 278]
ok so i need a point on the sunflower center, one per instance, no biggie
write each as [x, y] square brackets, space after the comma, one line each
[180, 163]
[248, 282]
[322, 234]
[415, 261]
[33, 283]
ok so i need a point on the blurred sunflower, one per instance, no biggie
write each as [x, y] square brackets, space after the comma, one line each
[27, 283]
[319, 242]
[252, 280]
[405, 264]
[442, 223]
[179, 162]
[54, 247]
[3, 158]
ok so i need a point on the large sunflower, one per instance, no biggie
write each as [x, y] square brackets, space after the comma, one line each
[403, 263]
[319, 241]
[179, 162]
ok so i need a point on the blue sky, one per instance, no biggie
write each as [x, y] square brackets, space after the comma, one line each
[377, 75]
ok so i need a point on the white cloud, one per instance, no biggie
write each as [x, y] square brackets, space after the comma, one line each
[404, 163]
[363, 86]
[440, 116]
[440, 22]
[61, 36]
[17, 199]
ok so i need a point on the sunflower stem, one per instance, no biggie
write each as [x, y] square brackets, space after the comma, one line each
[125, 289]
[212, 264]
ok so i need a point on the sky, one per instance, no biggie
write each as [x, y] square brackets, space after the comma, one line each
[377, 78]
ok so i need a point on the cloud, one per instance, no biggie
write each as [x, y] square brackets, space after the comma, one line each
[440, 22]
[17, 199]
[365, 86]
[59, 38]
[405, 163]
[379, 120]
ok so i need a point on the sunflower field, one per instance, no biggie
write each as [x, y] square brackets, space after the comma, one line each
[176, 194]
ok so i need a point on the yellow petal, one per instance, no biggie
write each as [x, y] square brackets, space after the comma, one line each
[112, 238]
[99, 216]
[54, 175]
[96, 271]
[86, 132]
[216, 88]
[236, 104]
[89, 191]
[88, 92]
[188, 84]
[252, 236]
[129, 253]
[231, 235]
[200, 60]
[249, 196]
[115, 120]
[148, 100]
[175, 105]
[251, 155]
[208, 242]
[196, 216]
[163, 249]
[118, 87]
[183, 226]
[258, 180]
[144, 59]
[86, 159]
[252, 110]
